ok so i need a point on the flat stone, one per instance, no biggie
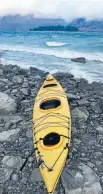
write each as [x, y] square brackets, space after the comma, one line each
[8, 135]
[25, 84]
[25, 91]
[100, 129]
[29, 134]
[12, 162]
[7, 104]
[80, 179]
[71, 96]
[14, 177]
[98, 154]
[7, 172]
[4, 80]
[18, 79]
[36, 176]
[13, 119]
[80, 114]
[82, 102]
[90, 164]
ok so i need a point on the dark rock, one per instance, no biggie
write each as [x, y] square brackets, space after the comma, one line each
[79, 60]
[35, 71]
[80, 114]
[83, 102]
[98, 61]
[71, 96]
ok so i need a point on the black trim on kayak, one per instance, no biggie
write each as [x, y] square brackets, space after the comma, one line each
[49, 85]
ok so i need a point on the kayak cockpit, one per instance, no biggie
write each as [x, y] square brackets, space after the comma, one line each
[50, 104]
[51, 139]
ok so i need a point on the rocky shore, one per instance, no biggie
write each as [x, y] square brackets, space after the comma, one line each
[83, 173]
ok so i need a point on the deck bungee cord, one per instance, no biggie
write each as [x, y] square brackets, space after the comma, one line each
[50, 125]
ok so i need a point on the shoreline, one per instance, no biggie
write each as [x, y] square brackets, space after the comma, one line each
[18, 89]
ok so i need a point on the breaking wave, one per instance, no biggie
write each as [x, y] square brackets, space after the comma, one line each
[55, 44]
[67, 54]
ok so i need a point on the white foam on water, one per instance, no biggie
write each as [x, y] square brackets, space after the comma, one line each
[67, 54]
[55, 44]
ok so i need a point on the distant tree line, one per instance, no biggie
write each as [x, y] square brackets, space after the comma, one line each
[55, 28]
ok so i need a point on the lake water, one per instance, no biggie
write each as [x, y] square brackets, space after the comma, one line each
[52, 51]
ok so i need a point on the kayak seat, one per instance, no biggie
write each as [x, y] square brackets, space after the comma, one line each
[50, 85]
[51, 139]
[50, 104]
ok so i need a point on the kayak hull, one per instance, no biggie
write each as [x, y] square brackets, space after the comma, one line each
[51, 131]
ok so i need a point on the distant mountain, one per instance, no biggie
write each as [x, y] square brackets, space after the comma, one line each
[85, 25]
[19, 23]
[24, 23]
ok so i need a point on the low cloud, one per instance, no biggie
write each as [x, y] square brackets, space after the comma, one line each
[66, 9]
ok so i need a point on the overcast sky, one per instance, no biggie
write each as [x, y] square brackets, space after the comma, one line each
[66, 9]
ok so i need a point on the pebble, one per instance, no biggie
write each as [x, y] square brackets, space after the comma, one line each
[14, 177]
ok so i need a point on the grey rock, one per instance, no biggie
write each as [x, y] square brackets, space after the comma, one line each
[35, 175]
[16, 119]
[4, 80]
[98, 154]
[8, 125]
[37, 77]
[1, 191]
[80, 179]
[90, 164]
[29, 134]
[25, 91]
[13, 119]
[18, 79]
[8, 172]
[82, 102]
[22, 139]
[71, 96]
[100, 129]
[30, 159]
[79, 60]
[14, 177]
[8, 135]
[1, 71]
[25, 84]
[80, 114]
[7, 104]
[2, 176]
[12, 162]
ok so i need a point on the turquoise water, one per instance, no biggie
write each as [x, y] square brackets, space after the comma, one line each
[52, 51]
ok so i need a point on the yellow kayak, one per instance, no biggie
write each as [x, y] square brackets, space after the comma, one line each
[51, 131]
